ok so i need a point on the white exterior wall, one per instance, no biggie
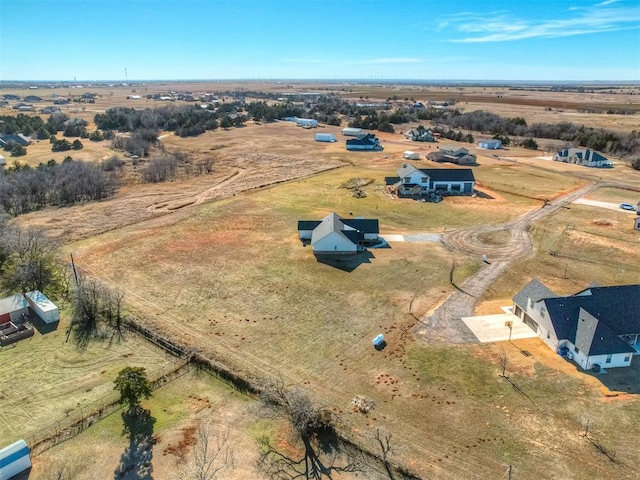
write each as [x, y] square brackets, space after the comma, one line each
[439, 185]
[305, 234]
[43, 307]
[352, 132]
[334, 242]
[371, 236]
[545, 329]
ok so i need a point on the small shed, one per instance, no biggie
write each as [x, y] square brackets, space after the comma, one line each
[306, 122]
[325, 137]
[492, 144]
[352, 132]
[12, 309]
[636, 225]
[409, 155]
[3, 161]
[42, 306]
[14, 459]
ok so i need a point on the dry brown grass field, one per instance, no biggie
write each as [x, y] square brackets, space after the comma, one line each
[214, 262]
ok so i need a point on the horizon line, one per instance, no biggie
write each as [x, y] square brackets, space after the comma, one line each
[121, 82]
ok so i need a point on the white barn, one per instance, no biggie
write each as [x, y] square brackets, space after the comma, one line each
[492, 144]
[14, 459]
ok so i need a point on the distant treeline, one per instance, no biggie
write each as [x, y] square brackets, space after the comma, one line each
[23, 189]
[34, 126]
[185, 121]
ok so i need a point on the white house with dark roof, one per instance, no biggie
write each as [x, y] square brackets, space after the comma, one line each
[417, 182]
[336, 235]
[582, 156]
[596, 326]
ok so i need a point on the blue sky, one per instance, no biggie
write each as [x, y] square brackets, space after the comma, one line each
[320, 39]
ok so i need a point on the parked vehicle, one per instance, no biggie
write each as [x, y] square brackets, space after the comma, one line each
[627, 206]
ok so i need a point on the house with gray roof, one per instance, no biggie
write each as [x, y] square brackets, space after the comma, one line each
[421, 182]
[596, 326]
[337, 235]
[451, 154]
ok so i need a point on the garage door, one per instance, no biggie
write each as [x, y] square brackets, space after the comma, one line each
[4, 318]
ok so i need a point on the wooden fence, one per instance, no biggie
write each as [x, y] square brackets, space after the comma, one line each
[77, 421]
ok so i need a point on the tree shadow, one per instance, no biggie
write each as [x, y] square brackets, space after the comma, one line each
[322, 458]
[346, 263]
[136, 461]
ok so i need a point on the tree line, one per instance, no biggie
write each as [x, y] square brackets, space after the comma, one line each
[24, 189]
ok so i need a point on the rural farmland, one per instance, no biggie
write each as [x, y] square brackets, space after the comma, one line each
[212, 262]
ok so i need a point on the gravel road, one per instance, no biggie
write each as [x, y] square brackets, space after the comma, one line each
[445, 324]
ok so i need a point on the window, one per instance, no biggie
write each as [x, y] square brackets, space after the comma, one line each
[627, 357]
[548, 336]
[576, 349]
[543, 311]
[609, 357]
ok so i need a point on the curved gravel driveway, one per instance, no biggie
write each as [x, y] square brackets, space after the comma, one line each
[445, 324]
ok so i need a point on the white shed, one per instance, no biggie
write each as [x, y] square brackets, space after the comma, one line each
[3, 161]
[12, 308]
[493, 144]
[409, 155]
[352, 132]
[14, 459]
[325, 137]
[636, 225]
[44, 308]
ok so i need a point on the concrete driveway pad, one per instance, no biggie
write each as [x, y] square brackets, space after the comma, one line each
[491, 328]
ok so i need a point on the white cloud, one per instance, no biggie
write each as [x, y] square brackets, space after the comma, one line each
[502, 27]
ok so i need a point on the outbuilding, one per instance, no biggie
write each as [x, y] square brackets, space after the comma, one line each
[306, 122]
[14, 459]
[352, 132]
[409, 155]
[42, 306]
[3, 161]
[325, 137]
[13, 308]
[636, 225]
[493, 144]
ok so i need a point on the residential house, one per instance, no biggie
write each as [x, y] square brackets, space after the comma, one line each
[336, 235]
[420, 135]
[421, 182]
[583, 156]
[16, 138]
[598, 327]
[451, 154]
[368, 142]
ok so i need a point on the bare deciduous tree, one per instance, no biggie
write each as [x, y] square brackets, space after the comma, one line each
[211, 455]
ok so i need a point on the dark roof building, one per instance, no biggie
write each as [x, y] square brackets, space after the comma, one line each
[334, 234]
[599, 325]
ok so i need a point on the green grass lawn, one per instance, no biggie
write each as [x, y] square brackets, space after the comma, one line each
[45, 378]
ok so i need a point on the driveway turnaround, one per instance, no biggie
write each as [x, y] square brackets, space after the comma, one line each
[492, 328]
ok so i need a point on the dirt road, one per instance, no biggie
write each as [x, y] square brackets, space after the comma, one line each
[445, 323]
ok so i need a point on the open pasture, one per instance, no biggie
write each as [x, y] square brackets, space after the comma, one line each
[232, 280]
[45, 378]
[103, 451]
